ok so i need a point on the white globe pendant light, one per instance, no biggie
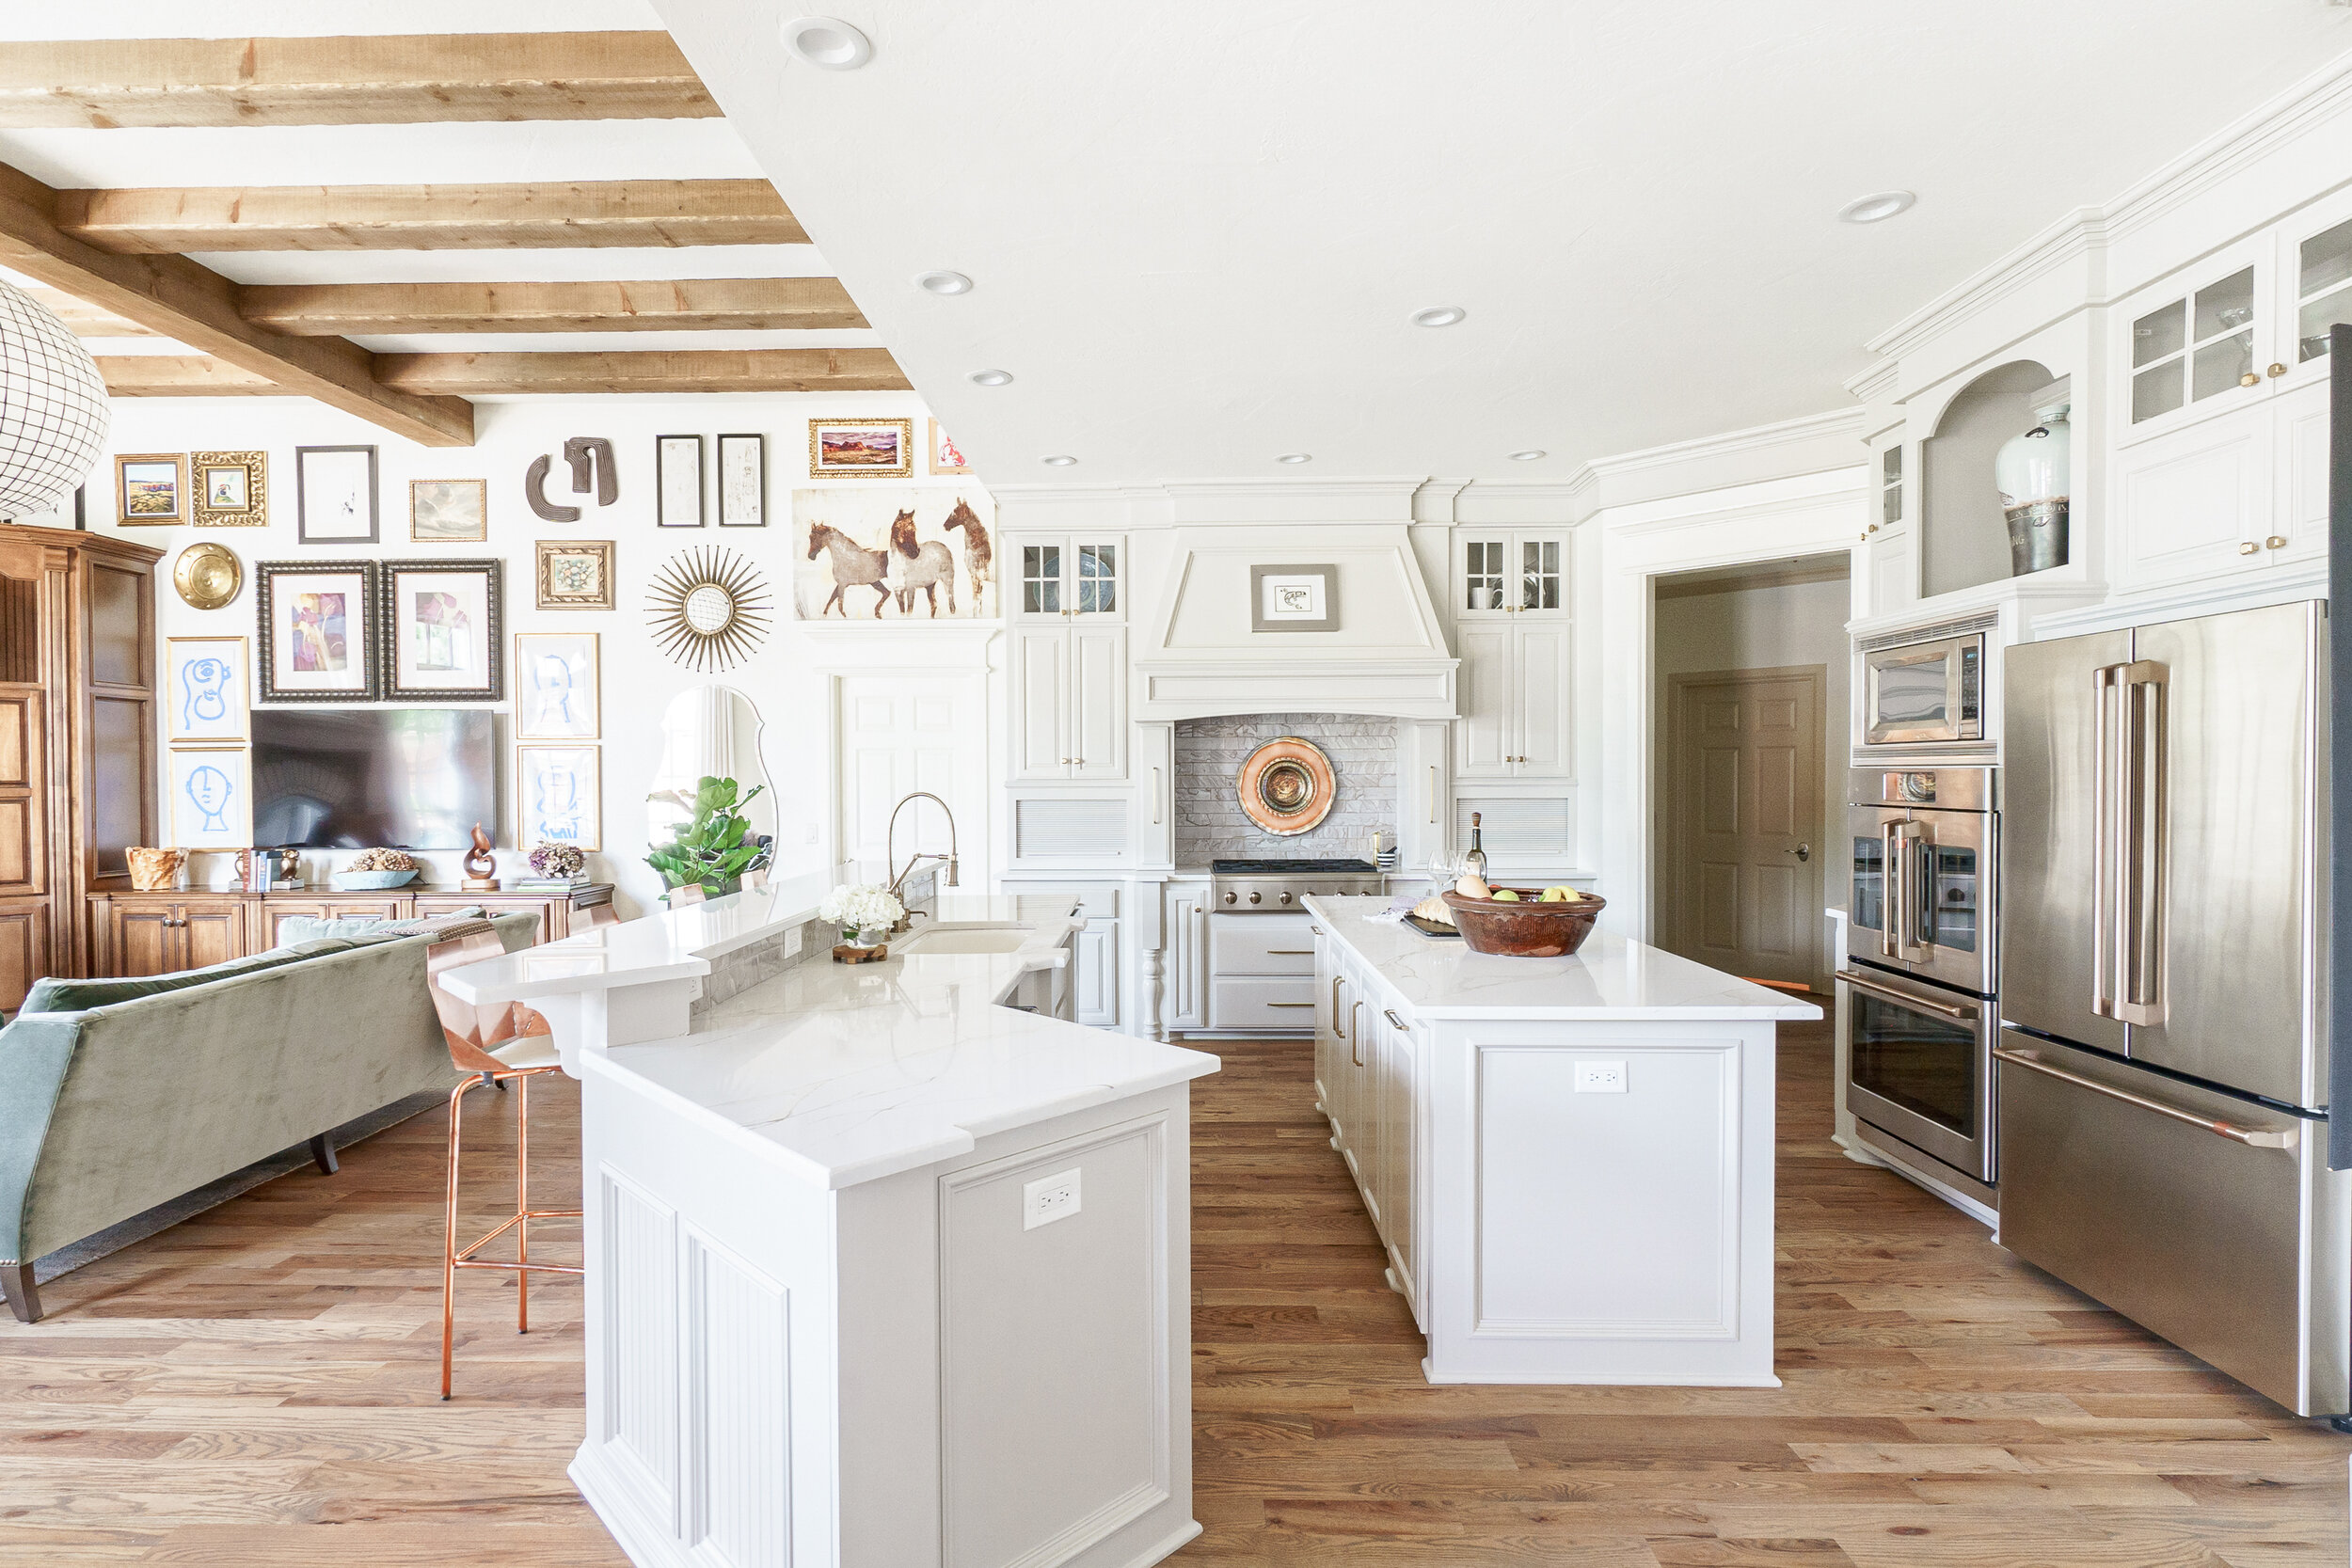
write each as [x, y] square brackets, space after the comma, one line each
[54, 412]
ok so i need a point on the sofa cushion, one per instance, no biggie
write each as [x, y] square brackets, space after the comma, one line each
[80, 996]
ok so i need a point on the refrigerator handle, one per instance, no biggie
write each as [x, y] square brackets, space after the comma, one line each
[2140, 877]
[2250, 1137]
[2102, 840]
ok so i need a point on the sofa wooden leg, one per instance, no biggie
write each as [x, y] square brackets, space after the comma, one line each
[16, 1283]
[322, 1153]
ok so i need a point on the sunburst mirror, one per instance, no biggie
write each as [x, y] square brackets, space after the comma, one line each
[708, 608]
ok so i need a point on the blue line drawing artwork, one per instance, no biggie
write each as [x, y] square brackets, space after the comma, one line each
[204, 693]
[208, 788]
[552, 695]
[556, 804]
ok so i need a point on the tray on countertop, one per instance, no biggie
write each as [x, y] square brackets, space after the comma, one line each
[1431, 928]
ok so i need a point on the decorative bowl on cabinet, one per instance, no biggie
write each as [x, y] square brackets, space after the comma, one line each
[1528, 928]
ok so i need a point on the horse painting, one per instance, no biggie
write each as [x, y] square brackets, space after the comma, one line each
[977, 553]
[925, 567]
[854, 565]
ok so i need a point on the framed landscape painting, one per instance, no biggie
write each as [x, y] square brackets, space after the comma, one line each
[449, 510]
[440, 621]
[152, 488]
[861, 449]
[316, 621]
[204, 687]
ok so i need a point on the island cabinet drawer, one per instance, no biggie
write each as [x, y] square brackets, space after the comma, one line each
[1262, 1002]
[1261, 944]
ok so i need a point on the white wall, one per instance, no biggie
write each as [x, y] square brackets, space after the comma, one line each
[788, 678]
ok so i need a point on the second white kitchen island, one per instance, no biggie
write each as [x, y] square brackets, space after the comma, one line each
[1570, 1160]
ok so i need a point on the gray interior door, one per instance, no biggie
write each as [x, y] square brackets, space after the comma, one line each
[2233, 910]
[2050, 826]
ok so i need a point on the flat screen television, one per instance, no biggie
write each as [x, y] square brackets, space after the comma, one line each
[410, 778]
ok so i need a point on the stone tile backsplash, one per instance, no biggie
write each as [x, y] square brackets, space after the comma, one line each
[1209, 753]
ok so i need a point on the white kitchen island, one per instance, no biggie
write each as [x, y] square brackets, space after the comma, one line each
[1570, 1160]
[882, 1270]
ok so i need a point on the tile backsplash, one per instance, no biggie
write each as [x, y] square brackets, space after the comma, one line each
[1210, 752]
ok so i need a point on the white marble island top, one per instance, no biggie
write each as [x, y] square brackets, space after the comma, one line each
[1609, 977]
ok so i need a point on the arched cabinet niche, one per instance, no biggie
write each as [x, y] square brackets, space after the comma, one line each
[1965, 537]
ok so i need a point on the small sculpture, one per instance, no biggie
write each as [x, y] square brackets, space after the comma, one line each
[480, 863]
[535, 492]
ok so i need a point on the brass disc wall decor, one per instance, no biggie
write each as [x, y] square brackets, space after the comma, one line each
[207, 575]
[708, 608]
[1287, 786]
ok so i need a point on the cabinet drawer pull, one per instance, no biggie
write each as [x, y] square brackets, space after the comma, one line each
[1317, 929]
[2249, 547]
[1354, 1034]
[1390, 1013]
[1290, 1003]
[2276, 371]
[1290, 952]
[2276, 542]
[2250, 379]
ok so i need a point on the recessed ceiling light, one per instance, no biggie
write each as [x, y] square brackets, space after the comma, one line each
[944, 283]
[991, 379]
[1438, 315]
[1528, 456]
[1877, 208]
[827, 42]
[1060, 459]
[1296, 457]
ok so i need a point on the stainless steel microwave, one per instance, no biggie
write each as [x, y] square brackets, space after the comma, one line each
[1923, 691]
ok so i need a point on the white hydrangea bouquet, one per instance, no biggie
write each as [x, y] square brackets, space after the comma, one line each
[866, 911]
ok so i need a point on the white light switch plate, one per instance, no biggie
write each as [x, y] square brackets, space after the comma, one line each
[1049, 1198]
[1601, 1078]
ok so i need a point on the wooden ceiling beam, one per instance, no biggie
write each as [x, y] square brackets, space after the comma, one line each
[180, 299]
[109, 83]
[701, 304]
[82, 318]
[150, 222]
[183, 375]
[766, 370]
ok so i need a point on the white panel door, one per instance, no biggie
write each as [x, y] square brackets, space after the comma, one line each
[1095, 962]
[900, 734]
[1541, 690]
[1097, 729]
[2301, 516]
[1184, 1003]
[1482, 736]
[1040, 688]
[2189, 503]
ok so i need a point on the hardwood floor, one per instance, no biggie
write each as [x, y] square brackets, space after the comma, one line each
[1942, 1402]
[257, 1386]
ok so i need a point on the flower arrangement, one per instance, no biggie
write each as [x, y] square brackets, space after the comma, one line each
[557, 860]
[866, 911]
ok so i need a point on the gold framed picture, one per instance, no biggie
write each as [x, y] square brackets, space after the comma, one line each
[231, 489]
[947, 458]
[152, 488]
[863, 449]
[449, 510]
[575, 574]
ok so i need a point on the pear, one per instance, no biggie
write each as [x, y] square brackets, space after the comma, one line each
[1503, 894]
[1472, 886]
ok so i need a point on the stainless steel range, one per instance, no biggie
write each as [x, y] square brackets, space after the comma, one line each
[1261, 949]
[1273, 886]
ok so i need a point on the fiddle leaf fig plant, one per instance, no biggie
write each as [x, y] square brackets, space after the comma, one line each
[715, 846]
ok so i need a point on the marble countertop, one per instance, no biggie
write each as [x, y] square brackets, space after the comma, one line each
[680, 943]
[1609, 977]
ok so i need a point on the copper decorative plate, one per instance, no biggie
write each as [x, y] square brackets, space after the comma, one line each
[207, 575]
[1287, 785]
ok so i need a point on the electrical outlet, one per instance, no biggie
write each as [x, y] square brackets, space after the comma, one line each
[1601, 1078]
[812, 834]
[792, 940]
[1049, 1198]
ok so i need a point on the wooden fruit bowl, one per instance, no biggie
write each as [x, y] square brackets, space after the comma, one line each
[1525, 929]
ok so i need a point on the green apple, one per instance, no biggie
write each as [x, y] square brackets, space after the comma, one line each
[1506, 895]
[1555, 895]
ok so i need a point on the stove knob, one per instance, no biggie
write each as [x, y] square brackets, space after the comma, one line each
[1286, 898]
[1228, 897]
[1256, 897]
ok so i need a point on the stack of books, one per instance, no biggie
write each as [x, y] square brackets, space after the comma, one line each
[548, 884]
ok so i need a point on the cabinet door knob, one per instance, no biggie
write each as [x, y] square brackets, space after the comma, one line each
[2276, 371]
[2277, 541]
[2249, 547]
[2250, 379]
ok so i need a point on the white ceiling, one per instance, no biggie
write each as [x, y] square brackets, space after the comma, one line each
[1197, 229]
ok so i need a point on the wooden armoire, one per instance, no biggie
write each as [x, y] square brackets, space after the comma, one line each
[77, 738]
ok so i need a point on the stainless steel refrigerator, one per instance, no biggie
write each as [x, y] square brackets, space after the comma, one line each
[2163, 1060]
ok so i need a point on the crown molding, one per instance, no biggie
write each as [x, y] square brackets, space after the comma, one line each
[2080, 233]
[1810, 427]
[1873, 385]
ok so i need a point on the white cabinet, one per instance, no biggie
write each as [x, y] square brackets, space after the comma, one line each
[1095, 979]
[2242, 492]
[1394, 1079]
[1068, 577]
[1185, 1000]
[1367, 1056]
[1500, 572]
[1515, 692]
[1070, 702]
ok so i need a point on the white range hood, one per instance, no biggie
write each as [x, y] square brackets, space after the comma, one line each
[1199, 657]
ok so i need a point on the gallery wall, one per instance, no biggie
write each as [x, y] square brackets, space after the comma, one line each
[787, 675]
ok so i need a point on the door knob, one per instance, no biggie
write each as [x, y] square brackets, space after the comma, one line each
[1803, 851]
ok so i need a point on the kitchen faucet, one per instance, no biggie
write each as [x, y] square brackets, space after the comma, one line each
[890, 848]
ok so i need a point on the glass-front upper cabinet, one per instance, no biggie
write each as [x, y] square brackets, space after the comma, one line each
[1891, 485]
[2195, 348]
[1511, 573]
[1065, 576]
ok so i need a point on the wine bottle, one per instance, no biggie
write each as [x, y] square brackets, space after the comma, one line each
[1474, 864]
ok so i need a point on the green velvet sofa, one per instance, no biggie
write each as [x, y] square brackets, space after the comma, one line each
[119, 1095]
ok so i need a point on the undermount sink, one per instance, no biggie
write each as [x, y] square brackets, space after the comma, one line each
[981, 939]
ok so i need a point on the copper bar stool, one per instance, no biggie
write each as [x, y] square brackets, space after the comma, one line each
[491, 1045]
